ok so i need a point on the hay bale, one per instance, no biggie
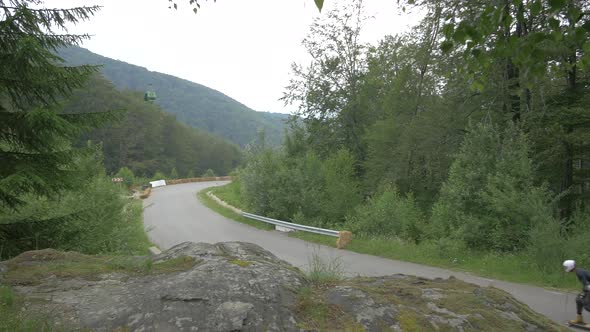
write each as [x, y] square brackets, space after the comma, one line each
[344, 238]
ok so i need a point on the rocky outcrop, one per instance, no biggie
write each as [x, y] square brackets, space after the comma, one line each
[241, 287]
[233, 287]
[406, 303]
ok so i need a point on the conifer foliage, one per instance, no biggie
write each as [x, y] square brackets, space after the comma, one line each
[35, 153]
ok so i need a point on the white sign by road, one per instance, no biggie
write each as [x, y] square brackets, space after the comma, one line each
[159, 183]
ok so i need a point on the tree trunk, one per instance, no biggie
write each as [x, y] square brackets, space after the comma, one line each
[512, 71]
[567, 177]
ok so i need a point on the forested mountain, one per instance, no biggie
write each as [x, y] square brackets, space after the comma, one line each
[192, 103]
[147, 139]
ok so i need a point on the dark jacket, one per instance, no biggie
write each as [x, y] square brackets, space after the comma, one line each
[584, 277]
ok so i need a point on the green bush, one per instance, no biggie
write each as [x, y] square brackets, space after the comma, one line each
[388, 214]
[447, 248]
[159, 176]
[316, 221]
[258, 181]
[174, 173]
[98, 209]
[546, 246]
[303, 187]
[490, 200]
[341, 193]
[127, 175]
[552, 242]
[577, 246]
[278, 187]
[209, 173]
[95, 218]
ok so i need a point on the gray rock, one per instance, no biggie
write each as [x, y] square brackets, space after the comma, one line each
[432, 294]
[447, 317]
[218, 294]
[241, 287]
[371, 315]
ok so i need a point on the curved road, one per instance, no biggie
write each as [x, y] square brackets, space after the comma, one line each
[174, 215]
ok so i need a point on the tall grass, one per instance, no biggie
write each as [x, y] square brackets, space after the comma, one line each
[6, 296]
[323, 271]
[230, 193]
[226, 212]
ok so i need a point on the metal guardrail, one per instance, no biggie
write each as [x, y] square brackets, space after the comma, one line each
[285, 224]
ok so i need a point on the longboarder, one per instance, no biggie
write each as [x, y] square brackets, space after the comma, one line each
[583, 299]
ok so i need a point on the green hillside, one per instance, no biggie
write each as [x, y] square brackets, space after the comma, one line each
[192, 103]
[148, 140]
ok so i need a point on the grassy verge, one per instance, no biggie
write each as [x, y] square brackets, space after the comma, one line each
[213, 205]
[230, 193]
[514, 268]
[131, 233]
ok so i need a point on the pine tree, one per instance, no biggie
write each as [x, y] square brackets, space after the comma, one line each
[127, 175]
[35, 151]
[174, 173]
[209, 173]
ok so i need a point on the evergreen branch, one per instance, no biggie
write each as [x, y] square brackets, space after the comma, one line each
[61, 10]
[28, 19]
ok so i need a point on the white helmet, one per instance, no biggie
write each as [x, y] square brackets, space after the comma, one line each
[569, 265]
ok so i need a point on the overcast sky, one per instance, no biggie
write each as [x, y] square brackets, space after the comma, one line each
[241, 48]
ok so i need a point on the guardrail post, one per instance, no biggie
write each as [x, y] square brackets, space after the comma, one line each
[344, 238]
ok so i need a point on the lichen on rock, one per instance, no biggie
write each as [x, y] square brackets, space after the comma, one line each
[239, 286]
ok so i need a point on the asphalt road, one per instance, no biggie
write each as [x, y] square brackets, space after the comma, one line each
[174, 215]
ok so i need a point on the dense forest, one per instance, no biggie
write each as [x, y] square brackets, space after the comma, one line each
[147, 140]
[65, 131]
[191, 103]
[469, 132]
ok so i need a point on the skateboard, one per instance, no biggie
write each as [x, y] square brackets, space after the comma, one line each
[585, 326]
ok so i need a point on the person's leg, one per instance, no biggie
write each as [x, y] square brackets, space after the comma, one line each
[586, 301]
[580, 303]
